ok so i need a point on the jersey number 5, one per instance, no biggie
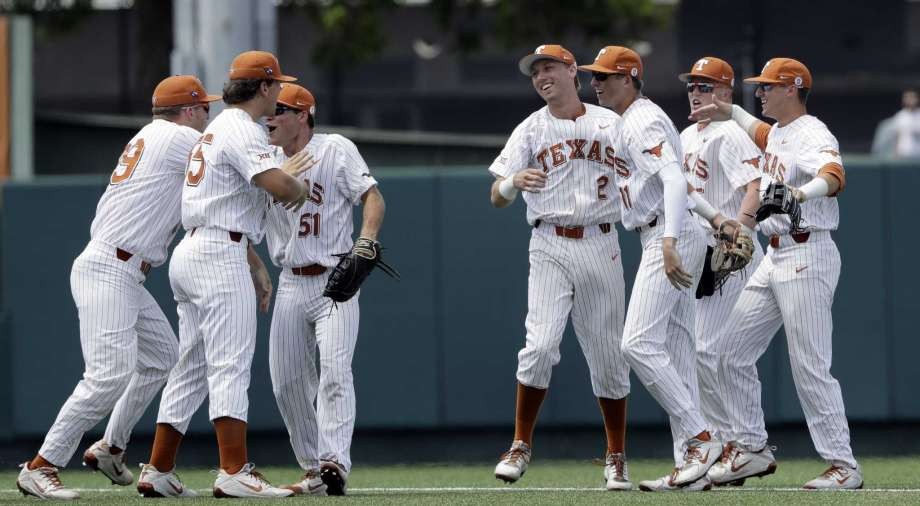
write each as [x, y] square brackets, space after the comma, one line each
[127, 161]
[195, 171]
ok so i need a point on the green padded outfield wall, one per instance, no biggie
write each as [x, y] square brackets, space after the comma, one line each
[439, 348]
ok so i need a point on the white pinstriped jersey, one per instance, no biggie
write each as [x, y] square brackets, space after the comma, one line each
[719, 161]
[218, 191]
[578, 159]
[794, 155]
[140, 210]
[649, 142]
[323, 226]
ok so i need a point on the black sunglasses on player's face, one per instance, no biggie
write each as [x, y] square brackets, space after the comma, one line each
[703, 87]
[765, 87]
[281, 109]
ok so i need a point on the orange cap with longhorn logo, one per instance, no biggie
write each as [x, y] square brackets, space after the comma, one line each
[181, 90]
[711, 68]
[545, 52]
[616, 60]
[257, 65]
[785, 71]
[297, 97]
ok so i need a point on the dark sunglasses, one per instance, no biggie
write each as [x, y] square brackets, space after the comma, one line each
[703, 87]
[281, 109]
[765, 87]
[600, 76]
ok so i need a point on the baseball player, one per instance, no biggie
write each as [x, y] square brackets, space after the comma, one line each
[304, 244]
[219, 281]
[794, 285]
[128, 345]
[658, 338]
[723, 164]
[562, 158]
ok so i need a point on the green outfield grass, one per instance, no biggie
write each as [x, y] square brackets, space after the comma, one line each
[888, 481]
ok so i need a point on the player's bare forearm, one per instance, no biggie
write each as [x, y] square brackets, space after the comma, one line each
[283, 187]
[374, 209]
[749, 204]
[255, 262]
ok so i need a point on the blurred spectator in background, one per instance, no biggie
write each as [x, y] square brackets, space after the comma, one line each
[899, 135]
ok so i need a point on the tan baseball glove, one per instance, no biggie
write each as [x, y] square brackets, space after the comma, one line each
[733, 251]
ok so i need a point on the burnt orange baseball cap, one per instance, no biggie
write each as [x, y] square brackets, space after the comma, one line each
[711, 68]
[297, 97]
[616, 60]
[785, 71]
[257, 65]
[546, 52]
[181, 90]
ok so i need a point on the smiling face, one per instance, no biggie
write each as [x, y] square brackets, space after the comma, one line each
[553, 80]
[774, 98]
[613, 90]
[284, 125]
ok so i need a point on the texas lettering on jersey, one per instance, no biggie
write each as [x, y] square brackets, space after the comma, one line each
[575, 149]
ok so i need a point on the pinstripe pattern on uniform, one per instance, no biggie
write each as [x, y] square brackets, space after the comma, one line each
[304, 320]
[216, 300]
[794, 287]
[583, 277]
[658, 336]
[234, 149]
[337, 182]
[719, 160]
[123, 357]
[794, 155]
[140, 212]
[649, 142]
[578, 158]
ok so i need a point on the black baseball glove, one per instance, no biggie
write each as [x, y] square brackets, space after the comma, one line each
[777, 199]
[353, 268]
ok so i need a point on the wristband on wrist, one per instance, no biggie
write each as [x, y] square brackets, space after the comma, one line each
[744, 119]
[506, 188]
[815, 188]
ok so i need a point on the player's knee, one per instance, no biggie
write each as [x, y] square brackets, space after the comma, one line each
[544, 354]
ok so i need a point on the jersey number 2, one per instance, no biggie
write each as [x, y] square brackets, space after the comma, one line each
[127, 161]
[195, 171]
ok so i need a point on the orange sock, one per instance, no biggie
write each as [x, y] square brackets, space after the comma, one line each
[165, 447]
[614, 412]
[39, 461]
[231, 442]
[703, 436]
[529, 400]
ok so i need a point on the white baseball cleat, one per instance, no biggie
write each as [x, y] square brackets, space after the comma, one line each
[666, 484]
[615, 472]
[334, 476]
[153, 483]
[43, 483]
[737, 464]
[837, 477]
[99, 457]
[698, 458]
[247, 482]
[311, 484]
[514, 462]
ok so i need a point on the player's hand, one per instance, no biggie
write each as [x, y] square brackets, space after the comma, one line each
[530, 180]
[298, 164]
[728, 227]
[798, 194]
[672, 267]
[716, 111]
[263, 286]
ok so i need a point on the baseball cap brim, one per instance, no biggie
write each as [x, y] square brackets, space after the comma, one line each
[686, 76]
[294, 106]
[211, 98]
[286, 79]
[527, 61]
[599, 68]
[761, 79]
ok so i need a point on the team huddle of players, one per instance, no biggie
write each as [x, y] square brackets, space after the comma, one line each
[581, 168]
[228, 184]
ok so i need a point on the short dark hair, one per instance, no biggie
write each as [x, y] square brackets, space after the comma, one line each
[168, 112]
[803, 95]
[237, 91]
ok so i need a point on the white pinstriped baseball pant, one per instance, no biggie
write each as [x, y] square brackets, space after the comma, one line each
[216, 300]
[583, 277]
[128, 349]
[658, 337]
[711, 316]
[794, 287]
[302, 320]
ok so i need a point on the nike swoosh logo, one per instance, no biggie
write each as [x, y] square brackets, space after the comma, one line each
[800, 269]
[172, 485]
[843, 480]
[738, 468]
[726, 77]
[250, 487]
[118, 472]
[601, 127]
[614, 257]
[321, 485]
